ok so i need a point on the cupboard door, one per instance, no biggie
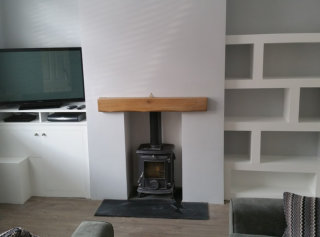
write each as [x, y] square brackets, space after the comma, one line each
[65, 171]
[19, 141]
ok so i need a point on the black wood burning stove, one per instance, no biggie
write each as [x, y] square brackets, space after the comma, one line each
[156, 162]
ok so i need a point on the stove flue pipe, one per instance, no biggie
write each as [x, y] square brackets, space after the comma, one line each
[155, 130]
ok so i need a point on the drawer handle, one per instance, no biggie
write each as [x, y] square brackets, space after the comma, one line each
[44, 135]
[36, 134]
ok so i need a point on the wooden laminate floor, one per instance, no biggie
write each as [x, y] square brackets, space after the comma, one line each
[59, 217]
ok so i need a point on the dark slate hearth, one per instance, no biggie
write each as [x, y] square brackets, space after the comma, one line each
[153, 208]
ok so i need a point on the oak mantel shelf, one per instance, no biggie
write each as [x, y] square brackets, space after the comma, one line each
[152, 104]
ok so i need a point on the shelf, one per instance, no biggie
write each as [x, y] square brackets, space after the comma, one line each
[273, 38]
[278, 82]
[270, 124]
[275, 164]
[255, 119]
[267, 192]
[156, 104]
[291, 163]
[310, 120]
[15, 109]
[270, 184]
[238, 62]
[237, 158]
[251, 123]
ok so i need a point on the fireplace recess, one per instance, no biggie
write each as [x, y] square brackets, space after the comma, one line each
[156, 162]
[156, 159]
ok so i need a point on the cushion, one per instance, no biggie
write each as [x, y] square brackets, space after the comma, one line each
[17, 232]
[302, 215]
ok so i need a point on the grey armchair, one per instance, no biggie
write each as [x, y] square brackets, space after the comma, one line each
[256, 217]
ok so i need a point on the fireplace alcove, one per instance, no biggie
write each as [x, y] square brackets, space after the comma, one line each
[140, 132]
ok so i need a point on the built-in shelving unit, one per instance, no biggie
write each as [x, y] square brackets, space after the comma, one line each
[272, 115]
[52, 151]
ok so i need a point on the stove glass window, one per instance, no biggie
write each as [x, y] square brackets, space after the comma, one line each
[154, 170]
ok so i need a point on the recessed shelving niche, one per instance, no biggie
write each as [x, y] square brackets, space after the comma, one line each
[309, 108]
[238, 62]
[254, 104]
[291, 60]
[237, 145]
[290, 146]
[271, 184]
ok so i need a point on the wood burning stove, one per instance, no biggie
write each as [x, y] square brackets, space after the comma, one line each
[156, 162]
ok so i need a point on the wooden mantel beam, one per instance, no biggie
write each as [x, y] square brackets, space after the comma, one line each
[152, 104]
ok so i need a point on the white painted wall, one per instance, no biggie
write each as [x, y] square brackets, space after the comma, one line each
[1, 25]
[133, 48]
[40, 23]
[265, 16]
[169, 48]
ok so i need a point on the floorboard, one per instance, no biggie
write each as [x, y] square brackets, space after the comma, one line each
[59, 217]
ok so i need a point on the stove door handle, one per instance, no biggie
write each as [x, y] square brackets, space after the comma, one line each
[140, 178]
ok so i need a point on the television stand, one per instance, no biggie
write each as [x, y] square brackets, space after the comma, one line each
[53, 149]
[40, 105]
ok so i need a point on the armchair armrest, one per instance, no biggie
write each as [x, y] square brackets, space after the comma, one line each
[93, 229]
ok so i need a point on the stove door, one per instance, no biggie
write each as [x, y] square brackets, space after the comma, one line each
[157, 172]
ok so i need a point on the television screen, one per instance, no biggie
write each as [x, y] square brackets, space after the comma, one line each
[31, 75]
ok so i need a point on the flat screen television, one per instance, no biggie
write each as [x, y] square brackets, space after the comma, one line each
[40, 78]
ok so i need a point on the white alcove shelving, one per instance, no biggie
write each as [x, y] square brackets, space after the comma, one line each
[272, 115]
[56, 153]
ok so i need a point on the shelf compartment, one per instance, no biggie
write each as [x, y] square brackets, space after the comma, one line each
[237, 145]
[255, 104]
[309, 107]
[270, 184]
[7, 110]
[291, 60]
[239, 61]
[7, 115]
[44, 117]
[289, 146]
